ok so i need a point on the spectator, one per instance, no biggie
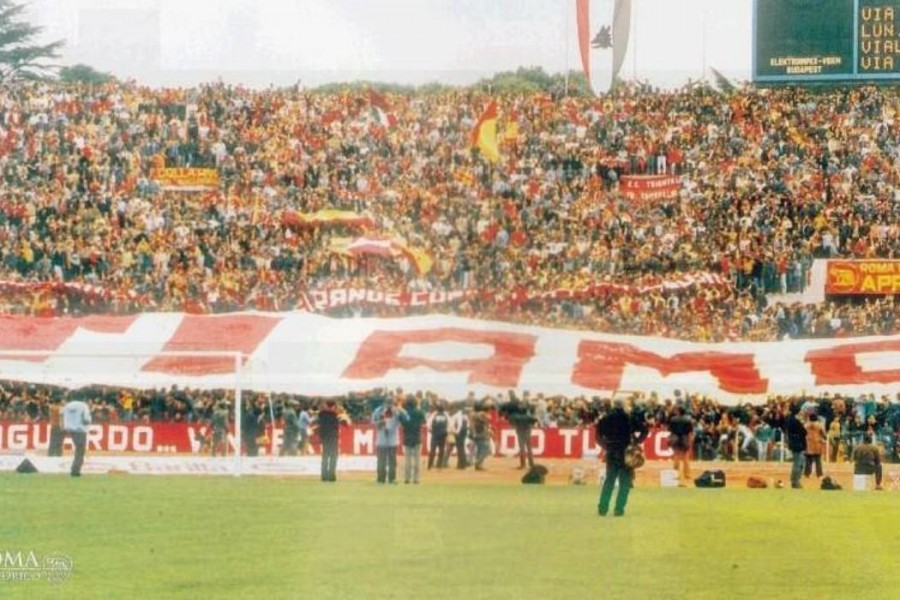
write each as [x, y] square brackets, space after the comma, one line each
[291, 430]
[76, 417]
[387, 419]
[439, 426]
[481, 434]
[328, 421]
[681, 440]
[815, 445]
[867, 460]
[796, 438]
[412, 439]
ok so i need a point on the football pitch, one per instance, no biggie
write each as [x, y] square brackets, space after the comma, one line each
[220, 537]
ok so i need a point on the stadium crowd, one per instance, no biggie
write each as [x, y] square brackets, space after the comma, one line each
[770, 180]
[747, 431]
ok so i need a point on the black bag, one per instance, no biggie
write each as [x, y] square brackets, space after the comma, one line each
[535, 474]
[26, 466]
[830, 484]
[711, 479]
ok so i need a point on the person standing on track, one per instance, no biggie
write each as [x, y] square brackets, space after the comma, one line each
[387, 419]
[519, 415]
[76, 419]
[615, 432]
[328, 423]
[681, 441]
[412, 439]
[440, 427]
[796, 439]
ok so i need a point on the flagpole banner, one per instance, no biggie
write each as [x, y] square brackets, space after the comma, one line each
[603, 27]
[312, 355]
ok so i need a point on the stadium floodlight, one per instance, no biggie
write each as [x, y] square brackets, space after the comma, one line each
[144, 370]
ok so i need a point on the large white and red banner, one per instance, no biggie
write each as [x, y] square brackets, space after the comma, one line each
[356, 440]
[311, 354]
[650, 187]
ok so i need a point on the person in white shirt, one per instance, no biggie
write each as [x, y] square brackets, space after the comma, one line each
[76, 419]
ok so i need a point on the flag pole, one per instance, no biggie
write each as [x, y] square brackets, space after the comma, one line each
[703, 41]
[566, 43]
[634, 43]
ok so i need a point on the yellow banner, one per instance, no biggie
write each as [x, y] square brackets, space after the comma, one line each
[186, 179]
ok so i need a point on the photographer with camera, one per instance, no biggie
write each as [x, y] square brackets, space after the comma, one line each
[616, 431]
[387, 419]
[328, 421]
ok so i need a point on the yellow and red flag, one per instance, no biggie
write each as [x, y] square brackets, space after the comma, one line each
[484, 134]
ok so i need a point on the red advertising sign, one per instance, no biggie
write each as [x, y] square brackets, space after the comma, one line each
[880, 277]
[356, 440]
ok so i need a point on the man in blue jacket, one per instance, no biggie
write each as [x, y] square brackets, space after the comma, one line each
[387, 419]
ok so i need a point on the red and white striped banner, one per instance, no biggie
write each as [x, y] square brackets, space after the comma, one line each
[316, 355]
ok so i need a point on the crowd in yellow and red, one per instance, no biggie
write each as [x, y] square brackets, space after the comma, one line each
[335, 202]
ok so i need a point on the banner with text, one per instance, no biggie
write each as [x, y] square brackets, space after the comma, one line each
[186, 179]
[877, 277]
[356, 440]
[650, 187]
[315, 355]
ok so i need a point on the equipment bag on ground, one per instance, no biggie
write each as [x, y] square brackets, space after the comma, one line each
[711, 479]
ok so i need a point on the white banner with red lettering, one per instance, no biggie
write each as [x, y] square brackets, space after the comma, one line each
[316, 355]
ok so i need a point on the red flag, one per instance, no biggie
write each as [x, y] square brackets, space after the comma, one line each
[381, 109]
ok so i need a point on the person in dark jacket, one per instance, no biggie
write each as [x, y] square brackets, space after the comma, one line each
[867, 460]
[615, 431]
[440, 427]
[412, 439]
[681, 440]
[328, 423]
[519, 415]
[795, 431]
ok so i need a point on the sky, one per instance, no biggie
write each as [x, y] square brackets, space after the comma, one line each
[281, 42]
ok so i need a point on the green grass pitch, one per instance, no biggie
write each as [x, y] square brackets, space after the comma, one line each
[220, 537]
